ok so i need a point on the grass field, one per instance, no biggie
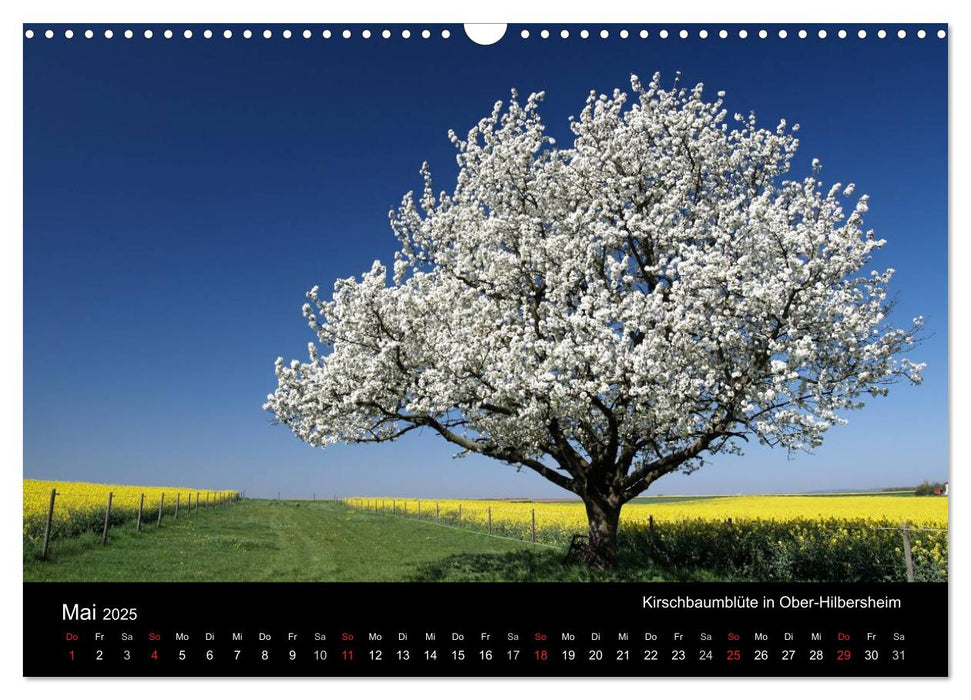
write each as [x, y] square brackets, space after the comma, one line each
[809, 538]
[264, 541]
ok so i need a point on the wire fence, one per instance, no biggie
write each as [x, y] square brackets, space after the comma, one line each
[78, 521]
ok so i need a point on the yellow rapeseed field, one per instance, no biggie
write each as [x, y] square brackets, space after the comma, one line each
[80, 506]
[786, 538]
[926, 511]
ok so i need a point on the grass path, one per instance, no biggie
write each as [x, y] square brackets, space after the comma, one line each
[264, 541]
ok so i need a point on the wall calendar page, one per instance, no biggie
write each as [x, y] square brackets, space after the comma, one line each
[520, 350]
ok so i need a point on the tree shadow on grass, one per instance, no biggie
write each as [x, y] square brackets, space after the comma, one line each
[537, 566]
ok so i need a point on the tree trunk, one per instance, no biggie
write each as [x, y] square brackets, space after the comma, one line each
[603, 517]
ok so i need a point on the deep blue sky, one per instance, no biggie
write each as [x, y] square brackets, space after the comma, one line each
[181, 196]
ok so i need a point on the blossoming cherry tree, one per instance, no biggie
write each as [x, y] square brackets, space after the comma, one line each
[611, 312]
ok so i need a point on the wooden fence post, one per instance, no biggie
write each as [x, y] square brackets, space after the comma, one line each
[138, 518]
[405, 512]
[161, 504]
[650, 523]
[460, 513]
[419, 510]
[177, 505]
[197, 500]
[47, 528]
[104, 533]
[394, 507]
[207, 500]
[534, 524]
[908, 555]
[490, 520]
[188, 507]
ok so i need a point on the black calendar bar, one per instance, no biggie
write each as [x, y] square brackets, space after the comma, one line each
[402, 629]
